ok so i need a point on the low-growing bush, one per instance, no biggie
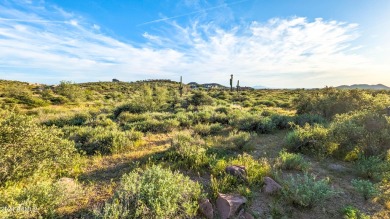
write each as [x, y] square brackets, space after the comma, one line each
[77, 119]
[189, 152]
[351, 212]
[207, 129]
[102, 140]
[306, 191]
[153, 193]
[310, 139]
[366, 188]
[27, 148]
[372, 167]
[239, 141]
[291, 161]
[153, 125]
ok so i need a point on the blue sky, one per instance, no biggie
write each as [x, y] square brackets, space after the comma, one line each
[278, 43]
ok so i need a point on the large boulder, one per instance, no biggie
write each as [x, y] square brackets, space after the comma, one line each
[270, 186]
[228, 205]
[206, 208]
[237, 171]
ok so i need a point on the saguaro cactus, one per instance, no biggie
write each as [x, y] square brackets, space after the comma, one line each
[231, 83]
[238, 85]
[181, 87]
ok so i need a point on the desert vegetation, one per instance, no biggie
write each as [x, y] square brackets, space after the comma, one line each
[157, 149]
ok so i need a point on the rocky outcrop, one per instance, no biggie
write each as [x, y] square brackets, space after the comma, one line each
[228, 205]
[270, 186]
[206, 208]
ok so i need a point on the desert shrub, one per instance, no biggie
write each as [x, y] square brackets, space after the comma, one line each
[311, 119]
[281, 121]
[131, 107]
[102, 140]
[200, 98]
[291, 161]
[268, 103]
[367, 131]
[207, 129]
[329, 101]
[70, 90]
[228, 184]
[351, 212]
[77, 119]
[306, 191]
[154, 125]
[265, 125]
[310, 139]
[153, 193]
[36, 198]
[251, 122]
[219, 118]
[127, 117]
[239, 141]
[184, 119]
[366, 188]
[189, 152]
[372, 167]
[26, 148]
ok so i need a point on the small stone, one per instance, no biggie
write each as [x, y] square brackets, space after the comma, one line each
[244, 215]
[237, 171]
[206, 208]
[271, 186]
[229, 204]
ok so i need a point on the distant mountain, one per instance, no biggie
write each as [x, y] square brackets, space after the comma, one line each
[365, 86]
[259, 87]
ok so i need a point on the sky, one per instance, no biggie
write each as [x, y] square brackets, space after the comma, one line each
[276, 44]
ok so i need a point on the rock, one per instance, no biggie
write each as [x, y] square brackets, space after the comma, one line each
[229, 204]
[206, 208]
[271, 186]
[237, 171]
[244, 215]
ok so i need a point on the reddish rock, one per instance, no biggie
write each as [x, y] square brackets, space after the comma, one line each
[229, 204]
[270, 186]
[206, 208]
[244, 215]
[237, 171]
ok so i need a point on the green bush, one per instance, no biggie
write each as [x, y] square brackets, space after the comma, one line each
[239, 141]
[189, 152]
[306, 191]
[207, 129]
[310, 139]
[330, 101]
[27, 148]
[200, 98]
[77, 119]
[366, 188]
[311, 119]
[372, 167]
[102, 140]
[154, 125]
[291, 161]
[351, 212]
[153, 193]
[367, 131]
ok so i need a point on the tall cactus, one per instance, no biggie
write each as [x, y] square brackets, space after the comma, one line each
[231, 83]
[181, 87]
[238, 85]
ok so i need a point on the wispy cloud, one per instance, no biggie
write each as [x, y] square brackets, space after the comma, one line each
[196, 4]
[293, 52]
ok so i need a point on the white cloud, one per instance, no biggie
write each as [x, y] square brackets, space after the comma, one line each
[292, 52]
